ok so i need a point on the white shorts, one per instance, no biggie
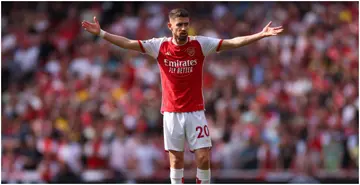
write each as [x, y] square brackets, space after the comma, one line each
[191, 126]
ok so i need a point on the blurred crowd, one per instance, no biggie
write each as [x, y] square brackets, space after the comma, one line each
[72, 102]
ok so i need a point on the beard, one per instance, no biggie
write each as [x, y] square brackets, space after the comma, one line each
[183, 37]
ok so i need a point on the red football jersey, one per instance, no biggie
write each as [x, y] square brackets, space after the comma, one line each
[181, 70]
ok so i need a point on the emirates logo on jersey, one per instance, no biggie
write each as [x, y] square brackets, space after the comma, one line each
[180, 67]
[179, 63]
[190, 51]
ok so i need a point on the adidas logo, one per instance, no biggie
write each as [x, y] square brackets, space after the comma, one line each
[168, 53]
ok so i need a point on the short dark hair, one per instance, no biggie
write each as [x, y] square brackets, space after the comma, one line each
[178, 12]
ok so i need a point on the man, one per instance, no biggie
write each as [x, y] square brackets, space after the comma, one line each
[181, 59]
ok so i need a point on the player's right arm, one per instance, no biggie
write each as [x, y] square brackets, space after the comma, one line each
[120, 41]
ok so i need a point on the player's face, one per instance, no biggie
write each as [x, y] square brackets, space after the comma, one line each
[179, 27]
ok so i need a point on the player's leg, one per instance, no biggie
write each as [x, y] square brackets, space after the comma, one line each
[198, 137]
[203, 173]
[174, 138]
[176, 167]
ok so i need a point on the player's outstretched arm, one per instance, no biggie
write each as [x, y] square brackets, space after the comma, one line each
[242, 41]
[120, 41]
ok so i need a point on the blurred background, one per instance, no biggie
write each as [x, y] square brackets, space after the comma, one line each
[76, 109]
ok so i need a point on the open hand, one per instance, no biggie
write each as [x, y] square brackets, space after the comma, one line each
[271, 31]
[93, 28]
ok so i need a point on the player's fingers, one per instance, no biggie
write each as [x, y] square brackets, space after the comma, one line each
[276, 28]
[268, 24]
[87, 24]
[84, 22]
[84, 25]
[95, 20]
[278, 31]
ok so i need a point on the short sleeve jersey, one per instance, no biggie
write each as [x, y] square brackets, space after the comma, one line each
[181, 70]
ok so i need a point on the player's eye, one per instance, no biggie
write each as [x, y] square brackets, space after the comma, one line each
[182, 24]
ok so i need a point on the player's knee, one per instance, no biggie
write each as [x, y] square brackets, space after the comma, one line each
[177, 159]
[177, 162]
[203, 159]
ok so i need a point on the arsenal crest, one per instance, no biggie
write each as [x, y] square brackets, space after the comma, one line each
[190, 51]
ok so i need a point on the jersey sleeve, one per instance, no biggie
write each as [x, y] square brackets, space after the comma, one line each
[151, 46]
[209, 45]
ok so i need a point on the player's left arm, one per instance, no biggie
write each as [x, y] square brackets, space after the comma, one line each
[244, 40]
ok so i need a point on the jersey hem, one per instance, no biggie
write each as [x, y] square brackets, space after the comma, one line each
[217, 49]
[182, 111]
[141, 46]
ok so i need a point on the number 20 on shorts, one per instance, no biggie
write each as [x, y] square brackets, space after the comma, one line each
[201, 129]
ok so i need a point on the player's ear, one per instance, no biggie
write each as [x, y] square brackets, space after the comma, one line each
[169, 26]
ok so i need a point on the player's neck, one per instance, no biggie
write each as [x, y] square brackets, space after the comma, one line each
[178, 42]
